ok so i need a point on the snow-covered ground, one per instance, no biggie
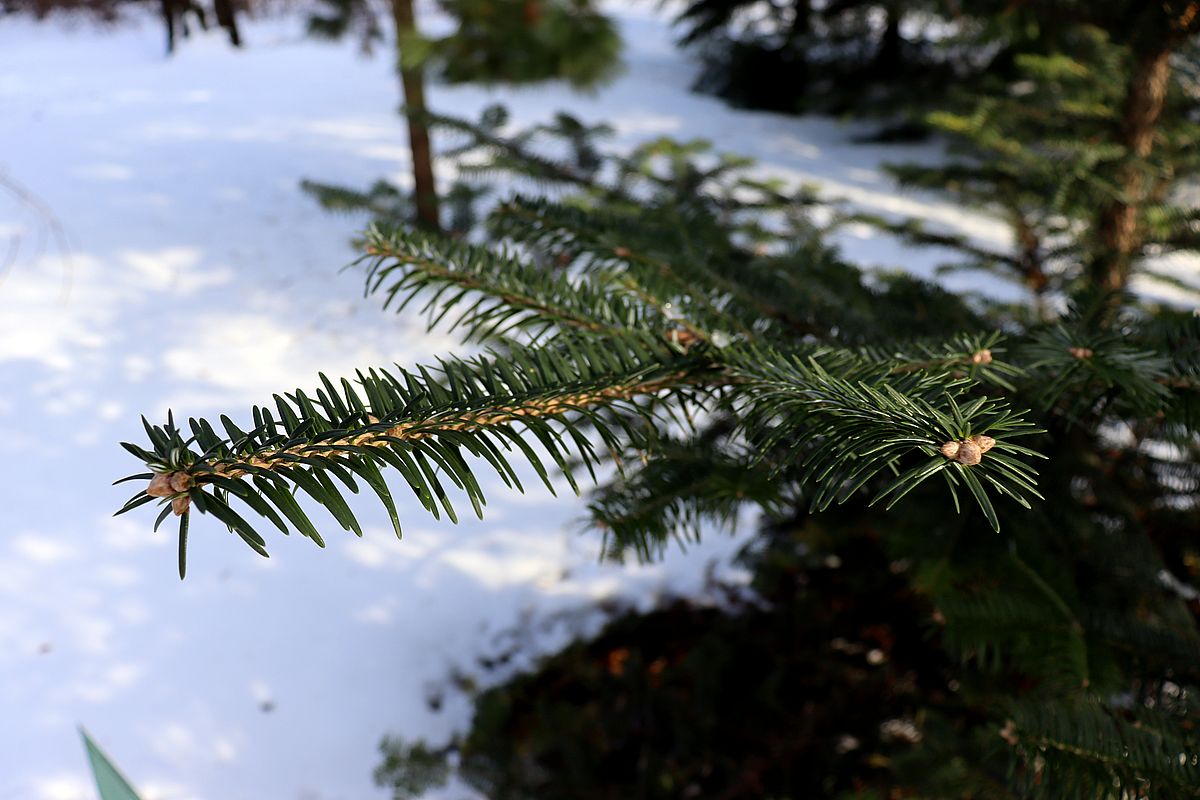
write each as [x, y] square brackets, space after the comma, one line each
[192, 273]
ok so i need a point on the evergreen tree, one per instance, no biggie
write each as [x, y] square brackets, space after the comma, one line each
[337, 18]
[1086, 152]
[980, 522]
[863, 57]
[510, 41]
[527, 41]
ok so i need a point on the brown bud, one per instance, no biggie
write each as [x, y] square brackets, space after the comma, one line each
[983, 356]
[950, 449]
[984, 443]
[684, 338]
[622, 252]
[160, 485]
[180, 504]
[181, 482]
[1081, 352]
[969, 454]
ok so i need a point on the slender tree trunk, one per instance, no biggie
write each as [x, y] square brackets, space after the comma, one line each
[168, 15]
[1120, 234]
[1031, 264]
[424, 188]
[793, 46]
[887, 57]
[227, 19]
[802, 21]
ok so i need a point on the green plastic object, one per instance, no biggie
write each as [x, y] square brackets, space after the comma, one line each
[111, 784]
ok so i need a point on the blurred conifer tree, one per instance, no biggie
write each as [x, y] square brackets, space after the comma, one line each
[494, 41]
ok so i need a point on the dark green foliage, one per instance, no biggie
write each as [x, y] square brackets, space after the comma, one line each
[392, 206]
[335, 19]
[527, 41]
[1076, 150]
[700, 481]
[840, 679]
[383, 200]
[412, 769]
[424, 424]
[1136, 754]
[722, 708]
[862, 57]
[511, 42]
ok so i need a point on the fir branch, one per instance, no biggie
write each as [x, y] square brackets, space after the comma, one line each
[1090, 745]
[422, 424]
[978, 357]
[1077, 367]
[704, 479]
[513, 155]
[637, 244]
[847, 423]
[499, 293]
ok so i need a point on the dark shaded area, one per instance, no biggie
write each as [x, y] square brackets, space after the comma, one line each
[890, 60]
[808, 692]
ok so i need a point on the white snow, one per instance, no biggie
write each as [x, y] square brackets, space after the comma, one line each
[190, 272]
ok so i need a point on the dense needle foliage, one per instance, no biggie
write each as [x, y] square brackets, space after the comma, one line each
[979, 523]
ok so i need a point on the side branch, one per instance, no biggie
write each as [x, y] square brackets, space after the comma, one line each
[455, 421]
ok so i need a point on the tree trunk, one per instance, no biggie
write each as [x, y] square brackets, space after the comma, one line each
[424, 188]
[227, 19]
[1120, 235]
[802, 21]
[168, 15]
[888, 57]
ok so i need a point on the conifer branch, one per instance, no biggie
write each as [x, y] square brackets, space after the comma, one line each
[422, 424]
[655, 304]
[844, 428]
[453, 421]
[1090, 745]
[632, 242]
[508, 154]
[499, 292]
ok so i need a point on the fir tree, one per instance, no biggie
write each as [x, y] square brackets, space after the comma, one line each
[337, 18]
[979, 527]
[512, 41]
[1086, 151]
[527, 41]
[862, 57]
